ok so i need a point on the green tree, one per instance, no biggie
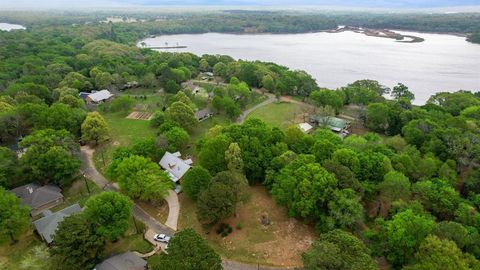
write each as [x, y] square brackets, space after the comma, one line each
[188, 251]
[195, 180]
[94, 128]
[377, 117]
[171, 87]
[215, 203]
[268, 83]
[233, 156]
[51, 157]
[437, 196]
[212, 153]
[326, 97]
[394, 187]
[121, 104]
[182, 114]
[109, 212]
[435, 253]
[404, 234]
[303, 186]
[141, 178]
[347, 158]
[8, 167]
[400, 91]
[76, 246]
[177, 138]
[14, 217]
[72, 101]
[344, 209]
[220, 69]
[339, 250]
[158, 118]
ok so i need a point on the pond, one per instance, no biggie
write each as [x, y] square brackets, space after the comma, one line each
[440, 63]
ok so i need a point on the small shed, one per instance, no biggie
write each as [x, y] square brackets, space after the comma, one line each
[305, 127]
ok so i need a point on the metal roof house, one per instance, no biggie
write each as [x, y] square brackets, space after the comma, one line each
[175, 166]
[124, 261]
[47, 225]
[99, 96]
[39, 198]
[334, 123]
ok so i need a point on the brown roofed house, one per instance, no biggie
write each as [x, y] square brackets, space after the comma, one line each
[39, 198]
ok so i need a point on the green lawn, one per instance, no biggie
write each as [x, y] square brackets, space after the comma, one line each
[123, 131]
[132, 241]
[11, 255]
[278, 114]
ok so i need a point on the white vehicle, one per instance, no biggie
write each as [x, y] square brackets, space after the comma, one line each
[161, 238]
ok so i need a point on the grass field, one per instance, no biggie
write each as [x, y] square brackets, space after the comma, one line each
[123, 131]
[280, 115]
[281, 243]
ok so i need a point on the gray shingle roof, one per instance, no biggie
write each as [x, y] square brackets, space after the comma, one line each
[124, 261]
[47, 225]
[36, 196]
[174, 165]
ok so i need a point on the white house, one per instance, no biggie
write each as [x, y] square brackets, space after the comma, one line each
[99, 96]
[175, 165]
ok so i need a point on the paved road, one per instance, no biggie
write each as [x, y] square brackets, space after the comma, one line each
[91, 172]
[270, 99]
[173, 209]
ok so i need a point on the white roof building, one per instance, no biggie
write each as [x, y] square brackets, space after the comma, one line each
[175, 165]
[99, 96]
[305, 127]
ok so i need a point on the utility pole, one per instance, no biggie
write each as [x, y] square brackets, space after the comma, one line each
[86, 183]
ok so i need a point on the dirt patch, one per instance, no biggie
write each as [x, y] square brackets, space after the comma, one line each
[140, 115]
[279, 243]
[159, 211]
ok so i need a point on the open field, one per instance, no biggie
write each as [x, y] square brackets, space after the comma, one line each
[281, 114]
[280, 243]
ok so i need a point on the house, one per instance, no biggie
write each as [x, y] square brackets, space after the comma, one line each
[39, 198]
[175, 165]
[98, 96]
[124, 261]
[333, 123]
[305, 127]
[203, 114]
[47, 225]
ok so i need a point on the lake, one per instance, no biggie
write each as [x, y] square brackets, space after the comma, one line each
[9, 27]
[440, 63]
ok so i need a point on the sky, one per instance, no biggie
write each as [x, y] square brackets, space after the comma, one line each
[61, 4]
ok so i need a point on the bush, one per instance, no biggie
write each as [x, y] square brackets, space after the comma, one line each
[239, 226]
[224, 229]
[122, 103]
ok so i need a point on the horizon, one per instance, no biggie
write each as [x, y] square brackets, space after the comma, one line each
[457, 5]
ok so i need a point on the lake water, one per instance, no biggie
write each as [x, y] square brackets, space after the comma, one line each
[9, 27]
[440, 63]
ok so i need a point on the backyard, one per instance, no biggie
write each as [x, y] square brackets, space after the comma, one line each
[280, 243]
[283, 114]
